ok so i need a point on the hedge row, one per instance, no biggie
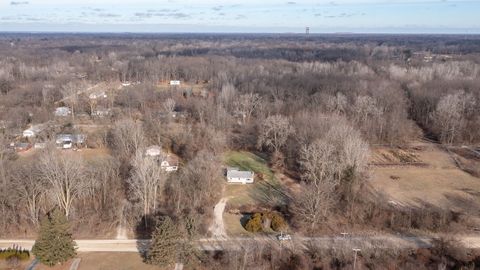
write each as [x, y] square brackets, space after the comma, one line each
[257, 221]
[10, 253]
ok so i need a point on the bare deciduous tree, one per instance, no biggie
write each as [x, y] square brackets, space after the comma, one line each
[128, 137]
[247, 104]
[169, 105]
[70, 93]
[274, 132]
[147, 181]
[450, 114]
[227, 95]
[31, 189]
[200, 183]
[325, 163]
[65, 177]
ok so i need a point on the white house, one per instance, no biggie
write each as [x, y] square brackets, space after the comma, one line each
[175, 82]
[169, 164]
[153, 151]
[235, 175]
[101, 112]
[62, 111]
[33, 131]
[98, 95]
[68, 141]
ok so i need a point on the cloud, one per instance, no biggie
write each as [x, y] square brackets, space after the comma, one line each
[19, 3]
[171, 15]
[240, 17]
[109, 15]
[291, 3]
[217, 8]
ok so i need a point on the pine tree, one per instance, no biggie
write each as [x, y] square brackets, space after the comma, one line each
[55, 243]
[165, 244]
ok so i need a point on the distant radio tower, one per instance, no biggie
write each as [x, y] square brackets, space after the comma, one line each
[307, 31]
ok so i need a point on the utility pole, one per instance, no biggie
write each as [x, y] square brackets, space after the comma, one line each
[355, 257]
[307, 31]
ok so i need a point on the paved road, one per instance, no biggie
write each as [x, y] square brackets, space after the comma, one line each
[381, 241]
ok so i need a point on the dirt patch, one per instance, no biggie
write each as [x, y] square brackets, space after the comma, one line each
[218, 227]
[396, 156]
[440, 182]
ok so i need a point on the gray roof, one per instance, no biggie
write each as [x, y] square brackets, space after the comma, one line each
[237, 173]
[74, 138]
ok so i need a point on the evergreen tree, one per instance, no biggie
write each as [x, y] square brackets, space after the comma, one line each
[55, 243]
[165, 244]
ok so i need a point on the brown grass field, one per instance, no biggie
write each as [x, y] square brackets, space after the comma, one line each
[431, 178]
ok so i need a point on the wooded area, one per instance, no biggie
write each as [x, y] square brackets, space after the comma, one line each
[312, 106]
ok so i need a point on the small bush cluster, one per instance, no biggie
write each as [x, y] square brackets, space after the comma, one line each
[258, 220]
[14, 253]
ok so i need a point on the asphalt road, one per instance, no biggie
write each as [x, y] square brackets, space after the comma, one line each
[379, 242]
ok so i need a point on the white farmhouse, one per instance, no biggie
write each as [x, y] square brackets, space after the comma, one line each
[68, 141]
[62, 111]
[175, 82]
[169, 164]
[33, 131]
[153, 151]
[98, 95]
[235, 175]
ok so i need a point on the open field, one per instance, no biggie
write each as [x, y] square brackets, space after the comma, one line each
[437, 181]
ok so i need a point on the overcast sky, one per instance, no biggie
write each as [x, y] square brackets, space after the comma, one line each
[361, 16]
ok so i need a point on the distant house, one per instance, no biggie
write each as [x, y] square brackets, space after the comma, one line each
[33, 131]
[100, 112]
[21, 147]
[62, 111]
[40, 145]
[98, 95]
[68, 141]
[153, 151]
[174, 82]
[235, 175]
[169, 164]
[126, 84]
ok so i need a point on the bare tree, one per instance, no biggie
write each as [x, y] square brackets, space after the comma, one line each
[246, 105]
[450, 114]
[70, 93]
[200, 183]
[31, 189]
[227, 95]
[313, 202]
[147, 181]
[169, 105]
[128, 137]
[65, 177]
[274, 132]
[325, 163]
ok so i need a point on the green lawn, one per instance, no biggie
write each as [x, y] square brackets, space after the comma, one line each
[249, 161]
